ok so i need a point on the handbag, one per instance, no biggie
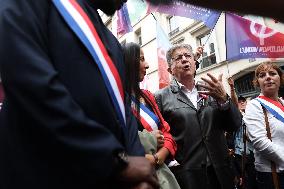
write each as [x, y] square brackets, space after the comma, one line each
[273, 165]
[166, 178]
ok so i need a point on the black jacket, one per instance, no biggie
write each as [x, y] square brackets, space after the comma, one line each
[199, 132]
[58, 127]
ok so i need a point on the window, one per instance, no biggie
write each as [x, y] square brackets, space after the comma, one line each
[209, 56]
[179, 41]
[173, 25]
[138, 36]
[244, 85]
[177, 24]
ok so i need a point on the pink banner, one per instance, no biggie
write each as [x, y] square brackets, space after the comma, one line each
[163, 44]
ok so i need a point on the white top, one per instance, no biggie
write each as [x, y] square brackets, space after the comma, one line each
[191, 95]
[265, 150]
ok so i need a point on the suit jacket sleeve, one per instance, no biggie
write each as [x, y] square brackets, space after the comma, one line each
[31, 80]
[230, 118]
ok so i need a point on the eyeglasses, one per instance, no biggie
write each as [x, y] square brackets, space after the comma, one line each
[178, 58]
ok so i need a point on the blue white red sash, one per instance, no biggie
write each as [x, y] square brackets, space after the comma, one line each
[274, 107]
[83, 27]
[148, 119]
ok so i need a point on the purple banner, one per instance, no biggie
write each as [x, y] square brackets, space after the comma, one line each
[123, 21]
[177, 8]
[247, 39]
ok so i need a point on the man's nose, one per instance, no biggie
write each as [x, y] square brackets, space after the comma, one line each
[184, 59]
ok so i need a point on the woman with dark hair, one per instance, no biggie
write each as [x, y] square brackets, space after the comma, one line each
[154, 131]
[265, 124]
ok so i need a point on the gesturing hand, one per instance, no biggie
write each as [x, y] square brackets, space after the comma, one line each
[214, 88]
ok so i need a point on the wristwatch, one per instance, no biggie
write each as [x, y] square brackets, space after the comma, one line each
[225, 105]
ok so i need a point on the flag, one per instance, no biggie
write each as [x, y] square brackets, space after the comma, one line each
[163, 44]
[247, 39]
[137, 9]
[123, 21]
[178, 8]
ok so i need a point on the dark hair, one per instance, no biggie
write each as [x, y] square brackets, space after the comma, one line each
[241, 98]
[264, 67]
[132, 64]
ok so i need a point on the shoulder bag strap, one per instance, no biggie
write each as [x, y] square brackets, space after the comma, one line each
[244, 133]
[273, 166]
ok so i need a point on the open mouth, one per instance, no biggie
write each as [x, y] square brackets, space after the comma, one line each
[186, 67]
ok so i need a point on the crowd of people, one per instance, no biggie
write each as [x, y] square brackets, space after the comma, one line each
[75, 117]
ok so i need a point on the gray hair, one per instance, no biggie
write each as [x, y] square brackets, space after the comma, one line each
[170, 52]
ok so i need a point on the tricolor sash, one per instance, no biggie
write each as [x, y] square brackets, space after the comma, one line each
[148, 119]
[83, 27]
[274, 107]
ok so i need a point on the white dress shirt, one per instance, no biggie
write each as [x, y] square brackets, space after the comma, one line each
[191, 95]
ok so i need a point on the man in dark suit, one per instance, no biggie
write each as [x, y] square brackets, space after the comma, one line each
[58, 124]
[198, 115]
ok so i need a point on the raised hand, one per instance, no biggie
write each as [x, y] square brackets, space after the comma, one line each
[231, 82]
[199, 52]
[214, 88]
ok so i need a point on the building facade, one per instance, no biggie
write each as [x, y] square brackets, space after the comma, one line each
[184, 30]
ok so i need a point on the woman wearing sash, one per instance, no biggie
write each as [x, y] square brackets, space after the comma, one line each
[265, 124]
[154, 131]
